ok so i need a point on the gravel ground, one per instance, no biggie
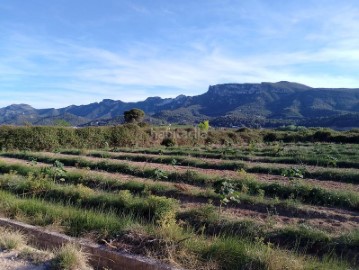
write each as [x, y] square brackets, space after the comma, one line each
[11, 261]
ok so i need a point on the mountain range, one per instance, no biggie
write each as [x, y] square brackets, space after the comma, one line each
[250, 104]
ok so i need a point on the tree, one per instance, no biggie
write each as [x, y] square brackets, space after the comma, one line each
[134, 116]
[204, 125]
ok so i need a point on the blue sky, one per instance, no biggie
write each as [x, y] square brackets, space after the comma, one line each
[63, 52]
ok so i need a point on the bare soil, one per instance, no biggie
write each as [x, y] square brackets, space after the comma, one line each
[10, 260]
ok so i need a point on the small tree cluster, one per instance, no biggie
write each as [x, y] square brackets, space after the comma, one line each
[134, 116]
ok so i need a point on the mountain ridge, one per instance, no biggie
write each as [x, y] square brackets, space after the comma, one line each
[232, 104]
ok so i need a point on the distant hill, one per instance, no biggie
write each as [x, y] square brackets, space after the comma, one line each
[259, 104]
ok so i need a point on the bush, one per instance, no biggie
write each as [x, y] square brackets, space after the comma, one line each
[204, 126]
[11, 240]
[270, 137]
[322, 135]
[134, 115]
[163, 210]
[168, 142]
[70, 257]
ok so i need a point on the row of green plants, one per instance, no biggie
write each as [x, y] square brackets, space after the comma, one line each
[347, 176]
[194, 250]
[275, 149]
[95, 180]
[256, 149]
[312, 135]
[307, 239]
[74, 221]
[315, 154]
[330, 155]
[40, 185]
[278, 149]
[302, 192]
[162, 210]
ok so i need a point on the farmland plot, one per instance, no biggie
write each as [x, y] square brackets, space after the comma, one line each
[263, 206]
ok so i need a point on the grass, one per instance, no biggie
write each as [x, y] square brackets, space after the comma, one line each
[150, 207]
[87, 179]
[299, 191]
[328, 155]
[187, 158]
[131, 212]
[336, 174]
[221, 243]
[15, 240]
[77, 222]
[10, 240]
[307, 239]
[35, 256]
[162, 210]
[74, 221]
[70, 257]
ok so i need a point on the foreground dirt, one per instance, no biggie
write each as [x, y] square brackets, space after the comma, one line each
[11, 261]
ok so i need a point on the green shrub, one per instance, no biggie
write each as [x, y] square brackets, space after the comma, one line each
[270, 137]
[10, 240]
[163, 210]
[168, 142]
[70, 257]
[322, 136]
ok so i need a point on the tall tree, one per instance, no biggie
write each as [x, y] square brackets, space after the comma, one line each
[134, 116]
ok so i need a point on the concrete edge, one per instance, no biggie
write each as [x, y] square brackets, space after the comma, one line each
[100, 257]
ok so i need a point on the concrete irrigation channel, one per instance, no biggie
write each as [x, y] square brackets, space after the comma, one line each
[100, 256]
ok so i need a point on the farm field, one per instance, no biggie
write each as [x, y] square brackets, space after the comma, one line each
[253, 206]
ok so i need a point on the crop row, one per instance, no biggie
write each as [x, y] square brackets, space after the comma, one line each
[97, 181]
[163, 210]
[301, 192]
[227, 252]
[345, 176]
[279, 154]
[39, 185]
[307, 239]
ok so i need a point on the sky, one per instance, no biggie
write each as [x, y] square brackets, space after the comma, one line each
[63, 52]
